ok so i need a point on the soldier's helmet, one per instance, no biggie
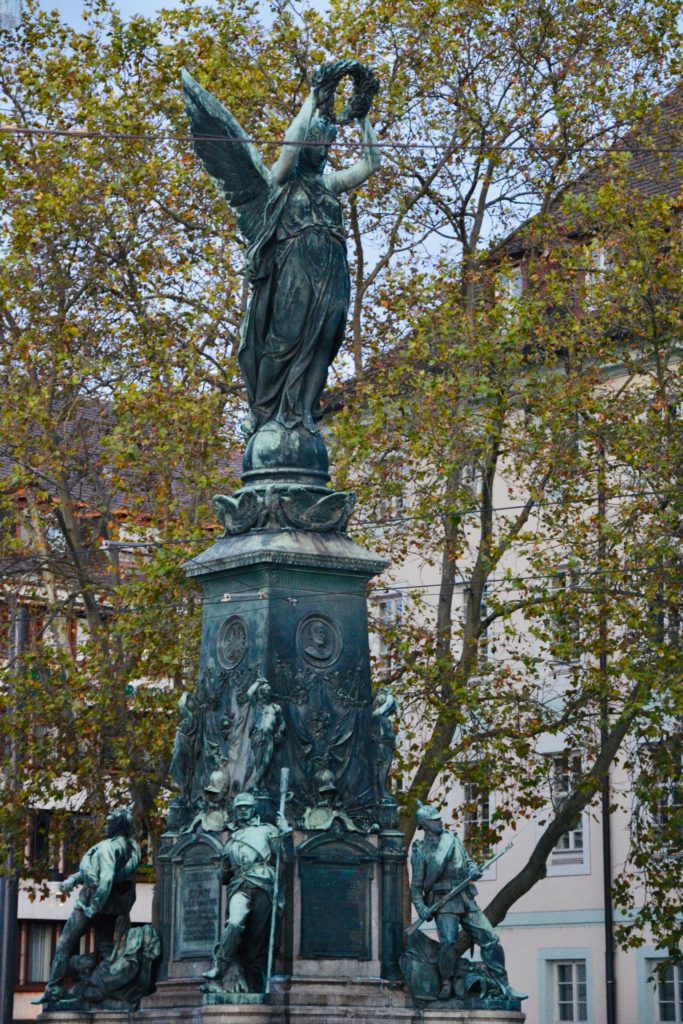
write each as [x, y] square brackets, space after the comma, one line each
[243, 800]
[425, 812]
[216, 783]
[120, 822]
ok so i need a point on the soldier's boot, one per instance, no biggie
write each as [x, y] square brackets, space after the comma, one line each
[58, 971]
[493, 958]
[225, 951]
[448, 956]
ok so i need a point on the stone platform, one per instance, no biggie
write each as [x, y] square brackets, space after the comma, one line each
[268, 1014]
[295, 1001]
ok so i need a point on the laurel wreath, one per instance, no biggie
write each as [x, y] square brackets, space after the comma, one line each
[326, 81]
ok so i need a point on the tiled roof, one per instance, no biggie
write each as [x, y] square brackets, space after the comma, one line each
[655, 168]
[83, 434]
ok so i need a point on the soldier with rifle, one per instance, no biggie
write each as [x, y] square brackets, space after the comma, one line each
[240, 958]
[441, 889]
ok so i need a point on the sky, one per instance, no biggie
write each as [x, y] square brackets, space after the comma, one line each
[71, 9]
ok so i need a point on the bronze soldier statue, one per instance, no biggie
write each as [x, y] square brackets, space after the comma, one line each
[240, 956]
[106, 873]
[439, 863]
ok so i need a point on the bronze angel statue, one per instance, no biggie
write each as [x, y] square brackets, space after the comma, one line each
[292, 219]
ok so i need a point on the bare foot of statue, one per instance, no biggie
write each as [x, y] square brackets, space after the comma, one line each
[225, 978]
[213, 975]
[51, 994]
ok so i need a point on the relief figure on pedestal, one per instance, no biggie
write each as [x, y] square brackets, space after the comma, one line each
[325, 815]
[247, 869]
[213, 815]
[199, 738]
[183, 757]
[384, 707]
[268, 729]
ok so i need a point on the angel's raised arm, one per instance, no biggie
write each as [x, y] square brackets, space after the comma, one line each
[345, 181]
[296, 132]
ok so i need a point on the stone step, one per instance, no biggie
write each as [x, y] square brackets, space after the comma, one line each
[302, 990]
[269, 1014]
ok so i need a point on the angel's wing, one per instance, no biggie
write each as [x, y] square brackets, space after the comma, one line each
[235, 166]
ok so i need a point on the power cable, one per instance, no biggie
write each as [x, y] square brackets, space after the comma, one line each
[455, 513]
[386, 591]
[83, 133]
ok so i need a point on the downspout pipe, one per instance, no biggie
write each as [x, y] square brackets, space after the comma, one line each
[610, 977]
[9, 880]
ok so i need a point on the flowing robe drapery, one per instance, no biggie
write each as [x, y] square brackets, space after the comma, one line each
[296, 317]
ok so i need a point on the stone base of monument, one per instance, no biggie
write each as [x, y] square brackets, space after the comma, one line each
[298, 1001]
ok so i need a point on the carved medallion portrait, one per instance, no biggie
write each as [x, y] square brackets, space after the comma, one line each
[318, 641]
[231, 642]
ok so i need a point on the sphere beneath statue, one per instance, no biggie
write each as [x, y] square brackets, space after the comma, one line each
[277, 455]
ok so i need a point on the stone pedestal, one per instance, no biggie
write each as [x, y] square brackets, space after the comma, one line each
[291, 606]
[326, 1004]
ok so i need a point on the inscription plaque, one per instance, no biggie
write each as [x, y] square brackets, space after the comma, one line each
[198, 899]
[335, 901]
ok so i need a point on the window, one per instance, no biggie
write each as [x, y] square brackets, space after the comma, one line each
[660, 789]
[471, 477]
[10, 14]
[564, 771]
[566, 643]
[669, 995]
[571, 1002]
[510, 283]
[40, 949]
[669, 806]
[54, 843]
[570, 856]
[37, 941]
[565, 991]
[477, 805]
[600, 264]
[389, 614]
[42, 852]
[477, 815]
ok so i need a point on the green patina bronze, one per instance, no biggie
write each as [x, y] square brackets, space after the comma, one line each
[292, 219]
[442, 889]
[240, 957]
[284, 681]
[120, 971]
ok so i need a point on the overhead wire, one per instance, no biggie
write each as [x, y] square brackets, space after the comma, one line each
[84, 133]
[382, 524]
[383, 591]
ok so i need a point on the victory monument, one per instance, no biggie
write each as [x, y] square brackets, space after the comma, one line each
[280, 875]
